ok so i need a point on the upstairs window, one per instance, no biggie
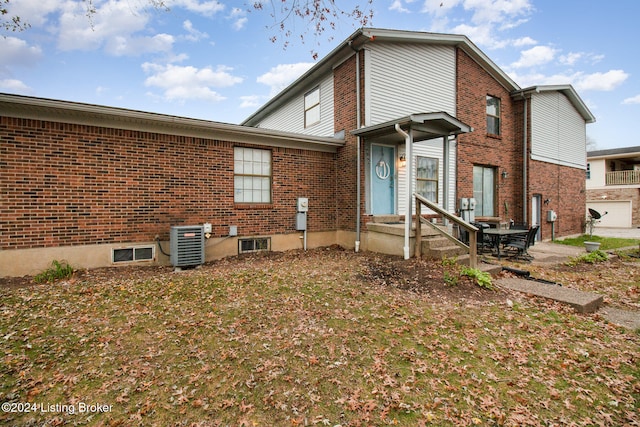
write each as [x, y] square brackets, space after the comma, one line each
[252, 175]
[493, 115]
[312, 107]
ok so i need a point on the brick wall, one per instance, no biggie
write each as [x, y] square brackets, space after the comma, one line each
[345, 107]
[564, 187]
[479, 148]
[66, 184]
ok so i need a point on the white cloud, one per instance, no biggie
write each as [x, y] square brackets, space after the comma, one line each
[250, 101]
[398, 7]
[281, 75]
[604, 82]
[601, 81]
[238, 16]
[14, 86]
[205, 8]
[632, 100]
[571, 58]
[537, 55]
[193, 34]
[487, 19]
[524, 41]
[132, 46]
[15, 51]
[112, 20]
[181, 83]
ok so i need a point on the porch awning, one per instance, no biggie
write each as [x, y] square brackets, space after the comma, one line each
[423, 126]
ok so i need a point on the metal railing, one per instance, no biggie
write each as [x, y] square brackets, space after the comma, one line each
[626, 177]
[473, 236]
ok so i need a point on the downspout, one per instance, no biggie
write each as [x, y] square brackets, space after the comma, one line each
[358, 147]
[525, 196]
[407, 214]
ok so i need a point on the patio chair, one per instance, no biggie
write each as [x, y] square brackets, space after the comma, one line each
[484, 243]
[522, 245]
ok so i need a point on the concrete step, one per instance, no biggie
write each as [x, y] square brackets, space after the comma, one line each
[582, 302]
[450, 251]
[435, 242]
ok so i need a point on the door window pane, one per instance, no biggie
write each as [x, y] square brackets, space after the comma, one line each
[484, 190]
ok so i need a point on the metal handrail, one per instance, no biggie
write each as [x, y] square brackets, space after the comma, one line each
[473, 249]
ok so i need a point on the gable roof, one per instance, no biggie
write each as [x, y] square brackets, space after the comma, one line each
[120, 118]
[612, 153]
[363, 36]
[566, 90]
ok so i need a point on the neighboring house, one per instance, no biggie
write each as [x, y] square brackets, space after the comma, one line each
[473, 132]
[97, 185]
[613, 185]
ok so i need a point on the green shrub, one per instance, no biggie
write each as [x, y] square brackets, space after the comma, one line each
[588, 258]
[57, 271]
[482, 278]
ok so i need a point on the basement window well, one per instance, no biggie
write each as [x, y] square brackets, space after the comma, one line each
[134, 253]
[257, 244]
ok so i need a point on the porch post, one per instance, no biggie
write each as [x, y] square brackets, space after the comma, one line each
[445, 170]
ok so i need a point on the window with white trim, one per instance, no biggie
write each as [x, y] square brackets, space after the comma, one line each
[252, 175]
[312, 107]
[493, 115]
[427, 178]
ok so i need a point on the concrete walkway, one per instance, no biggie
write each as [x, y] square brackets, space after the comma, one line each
[549, 253]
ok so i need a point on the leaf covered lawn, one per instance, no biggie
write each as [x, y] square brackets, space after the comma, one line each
[307, 338]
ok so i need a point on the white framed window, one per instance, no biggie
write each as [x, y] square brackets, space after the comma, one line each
[312, 107]
[427, 178]
[493, 115]
[484, 190]
[252, 175]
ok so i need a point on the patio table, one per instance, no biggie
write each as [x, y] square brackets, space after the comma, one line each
[496, 235]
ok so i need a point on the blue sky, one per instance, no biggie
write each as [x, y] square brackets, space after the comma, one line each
[215, 60]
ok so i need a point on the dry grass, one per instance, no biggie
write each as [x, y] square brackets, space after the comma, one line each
[315, 338]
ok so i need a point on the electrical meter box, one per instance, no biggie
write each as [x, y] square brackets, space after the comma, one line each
[301, 221]
[303, 204]
[552, 216]
[472, 204]
[464, 204]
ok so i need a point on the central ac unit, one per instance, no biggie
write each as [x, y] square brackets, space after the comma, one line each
[187, 245]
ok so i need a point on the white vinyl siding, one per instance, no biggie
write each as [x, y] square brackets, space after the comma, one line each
[558, 131]
[291, 116]
[432, 149]
[402, 79]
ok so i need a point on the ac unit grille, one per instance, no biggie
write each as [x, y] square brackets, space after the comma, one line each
[187, 245]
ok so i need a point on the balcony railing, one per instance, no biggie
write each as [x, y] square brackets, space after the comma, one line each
[627, 177]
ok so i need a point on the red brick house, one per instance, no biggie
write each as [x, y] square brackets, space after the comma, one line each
[476, 134]
[97, 186]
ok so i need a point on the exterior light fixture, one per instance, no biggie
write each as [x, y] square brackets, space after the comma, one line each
[505, 175]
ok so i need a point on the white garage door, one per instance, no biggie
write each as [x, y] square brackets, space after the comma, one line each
[618, 212]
